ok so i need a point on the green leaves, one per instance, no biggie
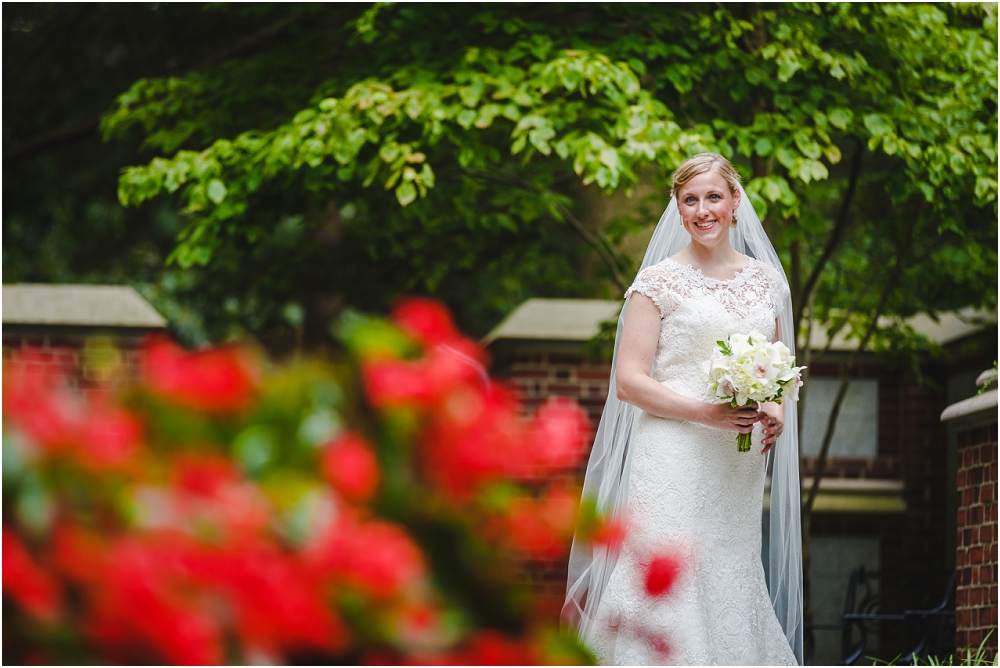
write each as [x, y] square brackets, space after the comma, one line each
[840, 117]
[485, 131]
[216, 191]
[578, 104]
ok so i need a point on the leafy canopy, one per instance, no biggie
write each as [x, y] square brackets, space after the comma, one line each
[450, 150]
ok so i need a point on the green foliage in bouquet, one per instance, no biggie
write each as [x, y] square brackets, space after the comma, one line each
[225, 510]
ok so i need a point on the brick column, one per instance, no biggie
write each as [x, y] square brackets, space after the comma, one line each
[976, 542]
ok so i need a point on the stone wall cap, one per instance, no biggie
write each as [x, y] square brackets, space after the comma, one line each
[987, 378]
[983, 402]
[78, 305]
[942, 328]
[865, 496]
[556, 320]
[855, 485]
[580, 319]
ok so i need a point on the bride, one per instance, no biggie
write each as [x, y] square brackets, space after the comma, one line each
[665, 458]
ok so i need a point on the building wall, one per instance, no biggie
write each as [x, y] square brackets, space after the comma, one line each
[538, 376]
[910, 440]
[85, 362]
[976, 538]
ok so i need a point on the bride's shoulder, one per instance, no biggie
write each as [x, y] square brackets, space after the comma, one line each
[660, 275]
[773, 277]
[766, 269]
[659, 283]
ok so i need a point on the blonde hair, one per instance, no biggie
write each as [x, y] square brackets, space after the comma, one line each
[701, 163]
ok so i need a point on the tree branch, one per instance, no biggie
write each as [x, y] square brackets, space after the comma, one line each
[614, 260]
[836, 236]
[252, 40]
[845, 383]
[63, 135]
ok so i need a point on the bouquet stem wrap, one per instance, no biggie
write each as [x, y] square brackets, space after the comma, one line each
[743, 442]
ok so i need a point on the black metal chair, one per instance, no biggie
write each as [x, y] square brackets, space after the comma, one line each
[933, 628]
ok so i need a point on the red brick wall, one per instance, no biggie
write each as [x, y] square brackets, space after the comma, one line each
[539, 376]
[912, 433]
[976, 542]
[69, 357]
[542, 375]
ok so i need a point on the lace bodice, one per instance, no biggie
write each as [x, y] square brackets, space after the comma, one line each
[698, 310]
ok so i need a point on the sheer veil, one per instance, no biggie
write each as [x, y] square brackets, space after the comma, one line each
[607, 475]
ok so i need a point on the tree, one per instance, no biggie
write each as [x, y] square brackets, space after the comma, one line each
[502, 113]
[63, 66]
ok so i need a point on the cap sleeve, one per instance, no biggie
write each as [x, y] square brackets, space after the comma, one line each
[655, 283]
[777, 287]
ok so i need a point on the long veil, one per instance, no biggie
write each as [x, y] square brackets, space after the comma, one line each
[607, 477]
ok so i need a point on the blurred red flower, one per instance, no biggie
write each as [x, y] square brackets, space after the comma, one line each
[138, 604]
[351, 467]
[661, 574]
[559, 508]
[94, 433]
[107, 437]
[426, 320]
[609, 533]
[195, 558]
[203, 473]
[32, 587]
[423, 382]
[476, 438]
[557, 438]
[35, 403]
[77, 554]
[490, 648]
[215, 380]
[378, 558]
[541, 528]
[205, 495]
[276, 605]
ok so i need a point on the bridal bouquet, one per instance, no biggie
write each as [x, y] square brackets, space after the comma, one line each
[746, 369]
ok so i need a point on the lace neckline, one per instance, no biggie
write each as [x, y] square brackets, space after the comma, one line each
[710, 279]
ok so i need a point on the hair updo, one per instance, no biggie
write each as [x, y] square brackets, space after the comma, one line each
[701, 163]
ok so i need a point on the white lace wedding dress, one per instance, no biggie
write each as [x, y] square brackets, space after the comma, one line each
[693, 495]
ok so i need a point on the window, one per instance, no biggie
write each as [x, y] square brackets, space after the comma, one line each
[856, 433]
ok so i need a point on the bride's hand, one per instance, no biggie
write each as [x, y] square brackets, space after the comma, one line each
[773, 420]
[733, 418]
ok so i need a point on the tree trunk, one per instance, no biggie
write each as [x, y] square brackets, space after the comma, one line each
[831, 424]
[795, 281]
[836, 235]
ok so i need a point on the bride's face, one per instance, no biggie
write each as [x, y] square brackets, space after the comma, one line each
[706, 206]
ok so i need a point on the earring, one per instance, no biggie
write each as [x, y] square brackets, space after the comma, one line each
[734, 217]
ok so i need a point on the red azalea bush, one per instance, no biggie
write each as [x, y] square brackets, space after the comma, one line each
[224, 511]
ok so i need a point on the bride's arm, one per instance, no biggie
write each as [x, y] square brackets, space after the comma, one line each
[633, 384]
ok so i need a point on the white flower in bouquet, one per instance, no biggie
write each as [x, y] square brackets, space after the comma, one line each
[747, 369]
